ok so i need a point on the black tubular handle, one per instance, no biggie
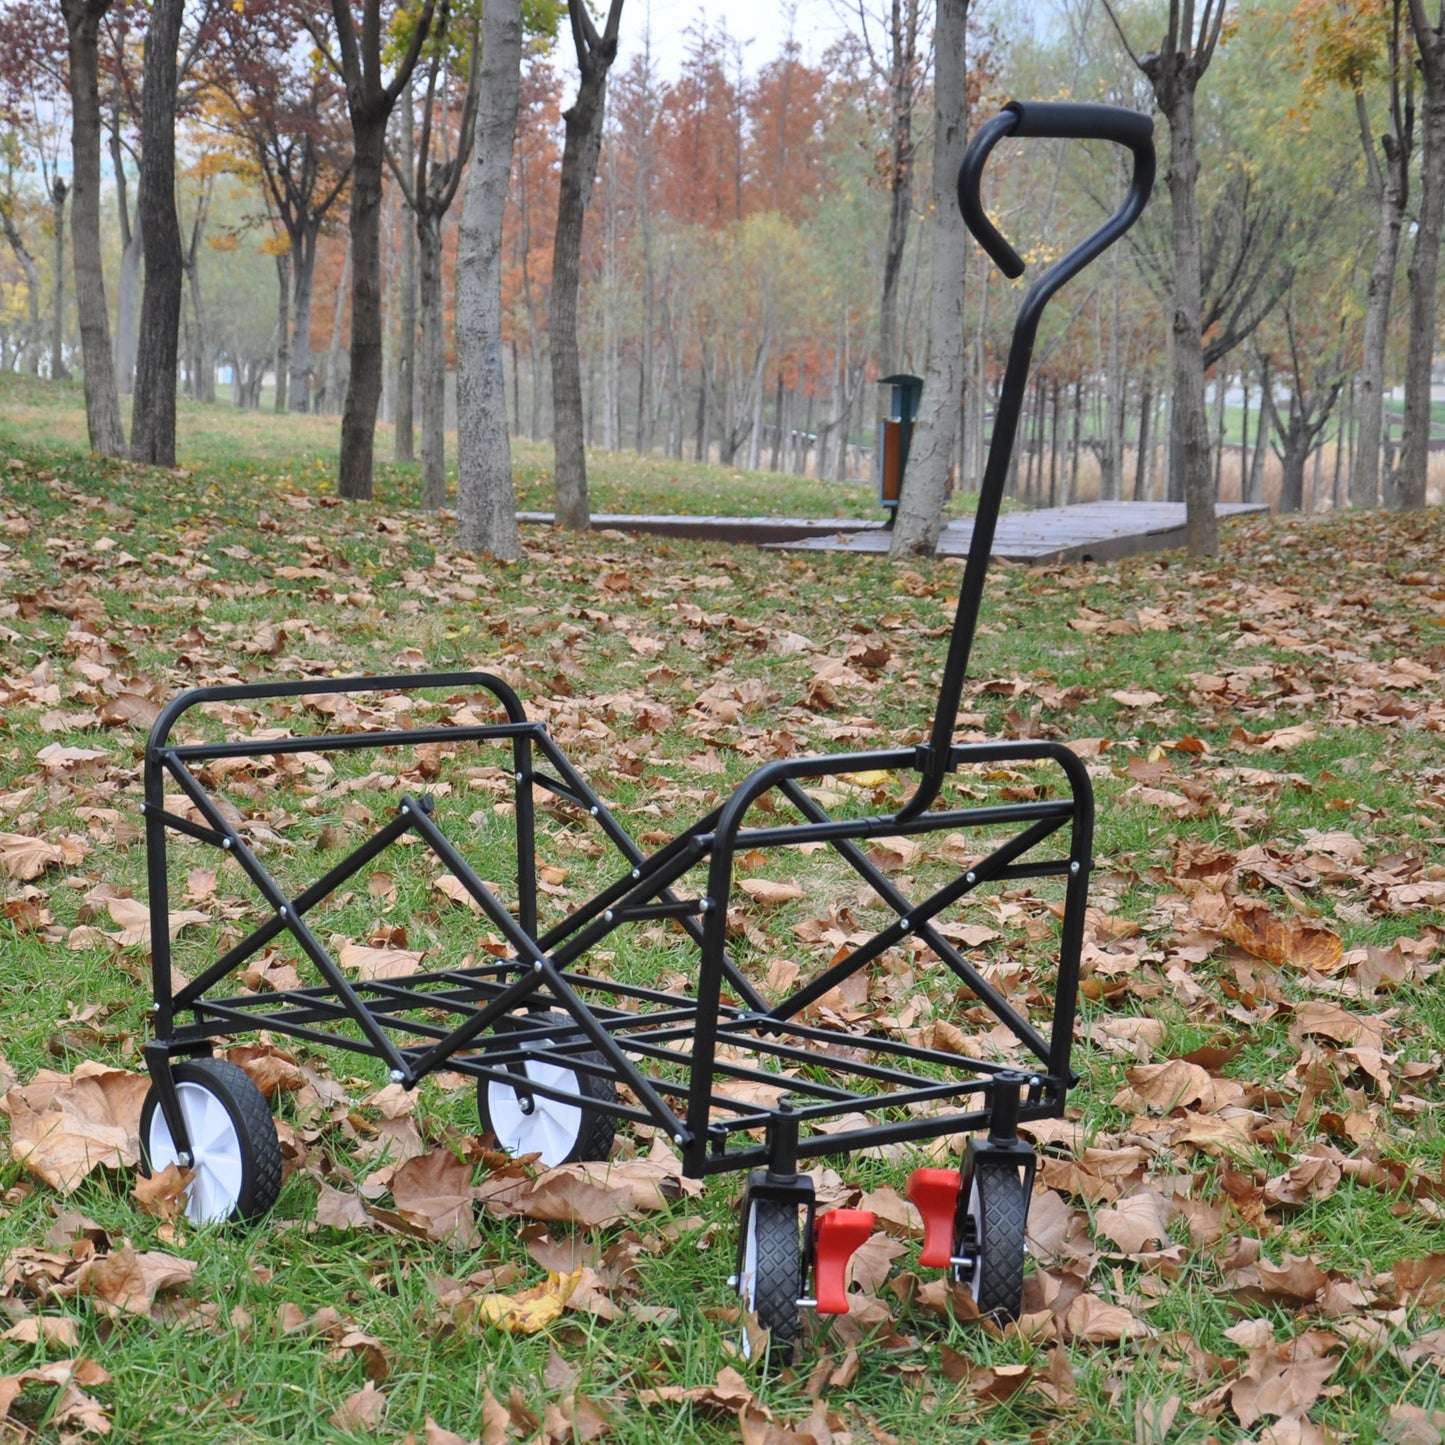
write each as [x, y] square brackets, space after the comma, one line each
[1068, 121]
[1061, 120]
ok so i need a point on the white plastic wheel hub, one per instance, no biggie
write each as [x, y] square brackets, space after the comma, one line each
[975, 1213]
[748, 1280]
[538, 1124]
[215, 1153]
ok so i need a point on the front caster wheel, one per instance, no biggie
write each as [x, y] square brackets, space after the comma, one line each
[528, 1123]
[234, 1149]
[989, 1235]
[771, 1279]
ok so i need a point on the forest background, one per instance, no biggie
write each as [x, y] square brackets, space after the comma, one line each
[758, 238]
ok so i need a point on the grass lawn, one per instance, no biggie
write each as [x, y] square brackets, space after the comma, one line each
[303, 449]
[1237, 1230]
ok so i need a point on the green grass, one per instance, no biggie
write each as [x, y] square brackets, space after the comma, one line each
[1305, 623]
[302, 451]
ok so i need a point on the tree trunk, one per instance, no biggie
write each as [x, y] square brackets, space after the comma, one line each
[646, 406]
[58, 369]
[1174, 71]
[1219, 385]
[332, 382]
[486, 501]
[700, 449]
[1189, 459]
[676, 421]
[903, 24]
[433, 366]
[204, 365]
[529, 302]
[303, 275]
[102, 405]
[1406, 488]
[919, 519]
[1292, 457]
[1071, 492]
[363, 394]
[153, 411]
[1244, 433]
[283, 327]
[369, 101]
[403, 447]
[29, 358]
[583, 140]
[516, 390]
[1365, 474]
[1141, 462]
[1254, 489]
[132, 247]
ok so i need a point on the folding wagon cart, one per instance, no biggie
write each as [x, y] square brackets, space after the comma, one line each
[743, 1068]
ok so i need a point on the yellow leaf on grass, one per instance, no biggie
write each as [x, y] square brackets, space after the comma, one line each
[873, 778]
[532, 1310]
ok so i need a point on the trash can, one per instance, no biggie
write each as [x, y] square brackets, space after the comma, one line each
[895, 437]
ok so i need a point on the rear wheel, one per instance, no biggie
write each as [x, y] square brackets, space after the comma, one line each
[234, 1149]
[531, 1123]
[771, 1279]
[989, 1234]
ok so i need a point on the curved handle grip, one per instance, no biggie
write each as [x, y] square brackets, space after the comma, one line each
[1063, 120]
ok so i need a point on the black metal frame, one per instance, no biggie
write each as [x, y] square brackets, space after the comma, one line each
[672, 1054]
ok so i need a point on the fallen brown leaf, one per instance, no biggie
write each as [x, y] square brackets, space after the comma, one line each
[127, 1281]
[361, 1411]
[1299, 942]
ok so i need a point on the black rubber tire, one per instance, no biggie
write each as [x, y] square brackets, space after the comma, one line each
[990, 1227]
[250, 1115]
[779, 1277]
[596, 1130]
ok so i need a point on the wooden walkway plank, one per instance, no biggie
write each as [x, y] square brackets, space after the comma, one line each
[1087, 532]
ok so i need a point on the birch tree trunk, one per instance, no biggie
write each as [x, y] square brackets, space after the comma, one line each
[919, 518]
[102, 404]
[486, 501]
[580, 147]
[1405, 490]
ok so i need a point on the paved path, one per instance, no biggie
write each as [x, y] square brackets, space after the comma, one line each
[1089, 532]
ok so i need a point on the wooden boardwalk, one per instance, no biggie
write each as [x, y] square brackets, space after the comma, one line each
[1089, 532]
